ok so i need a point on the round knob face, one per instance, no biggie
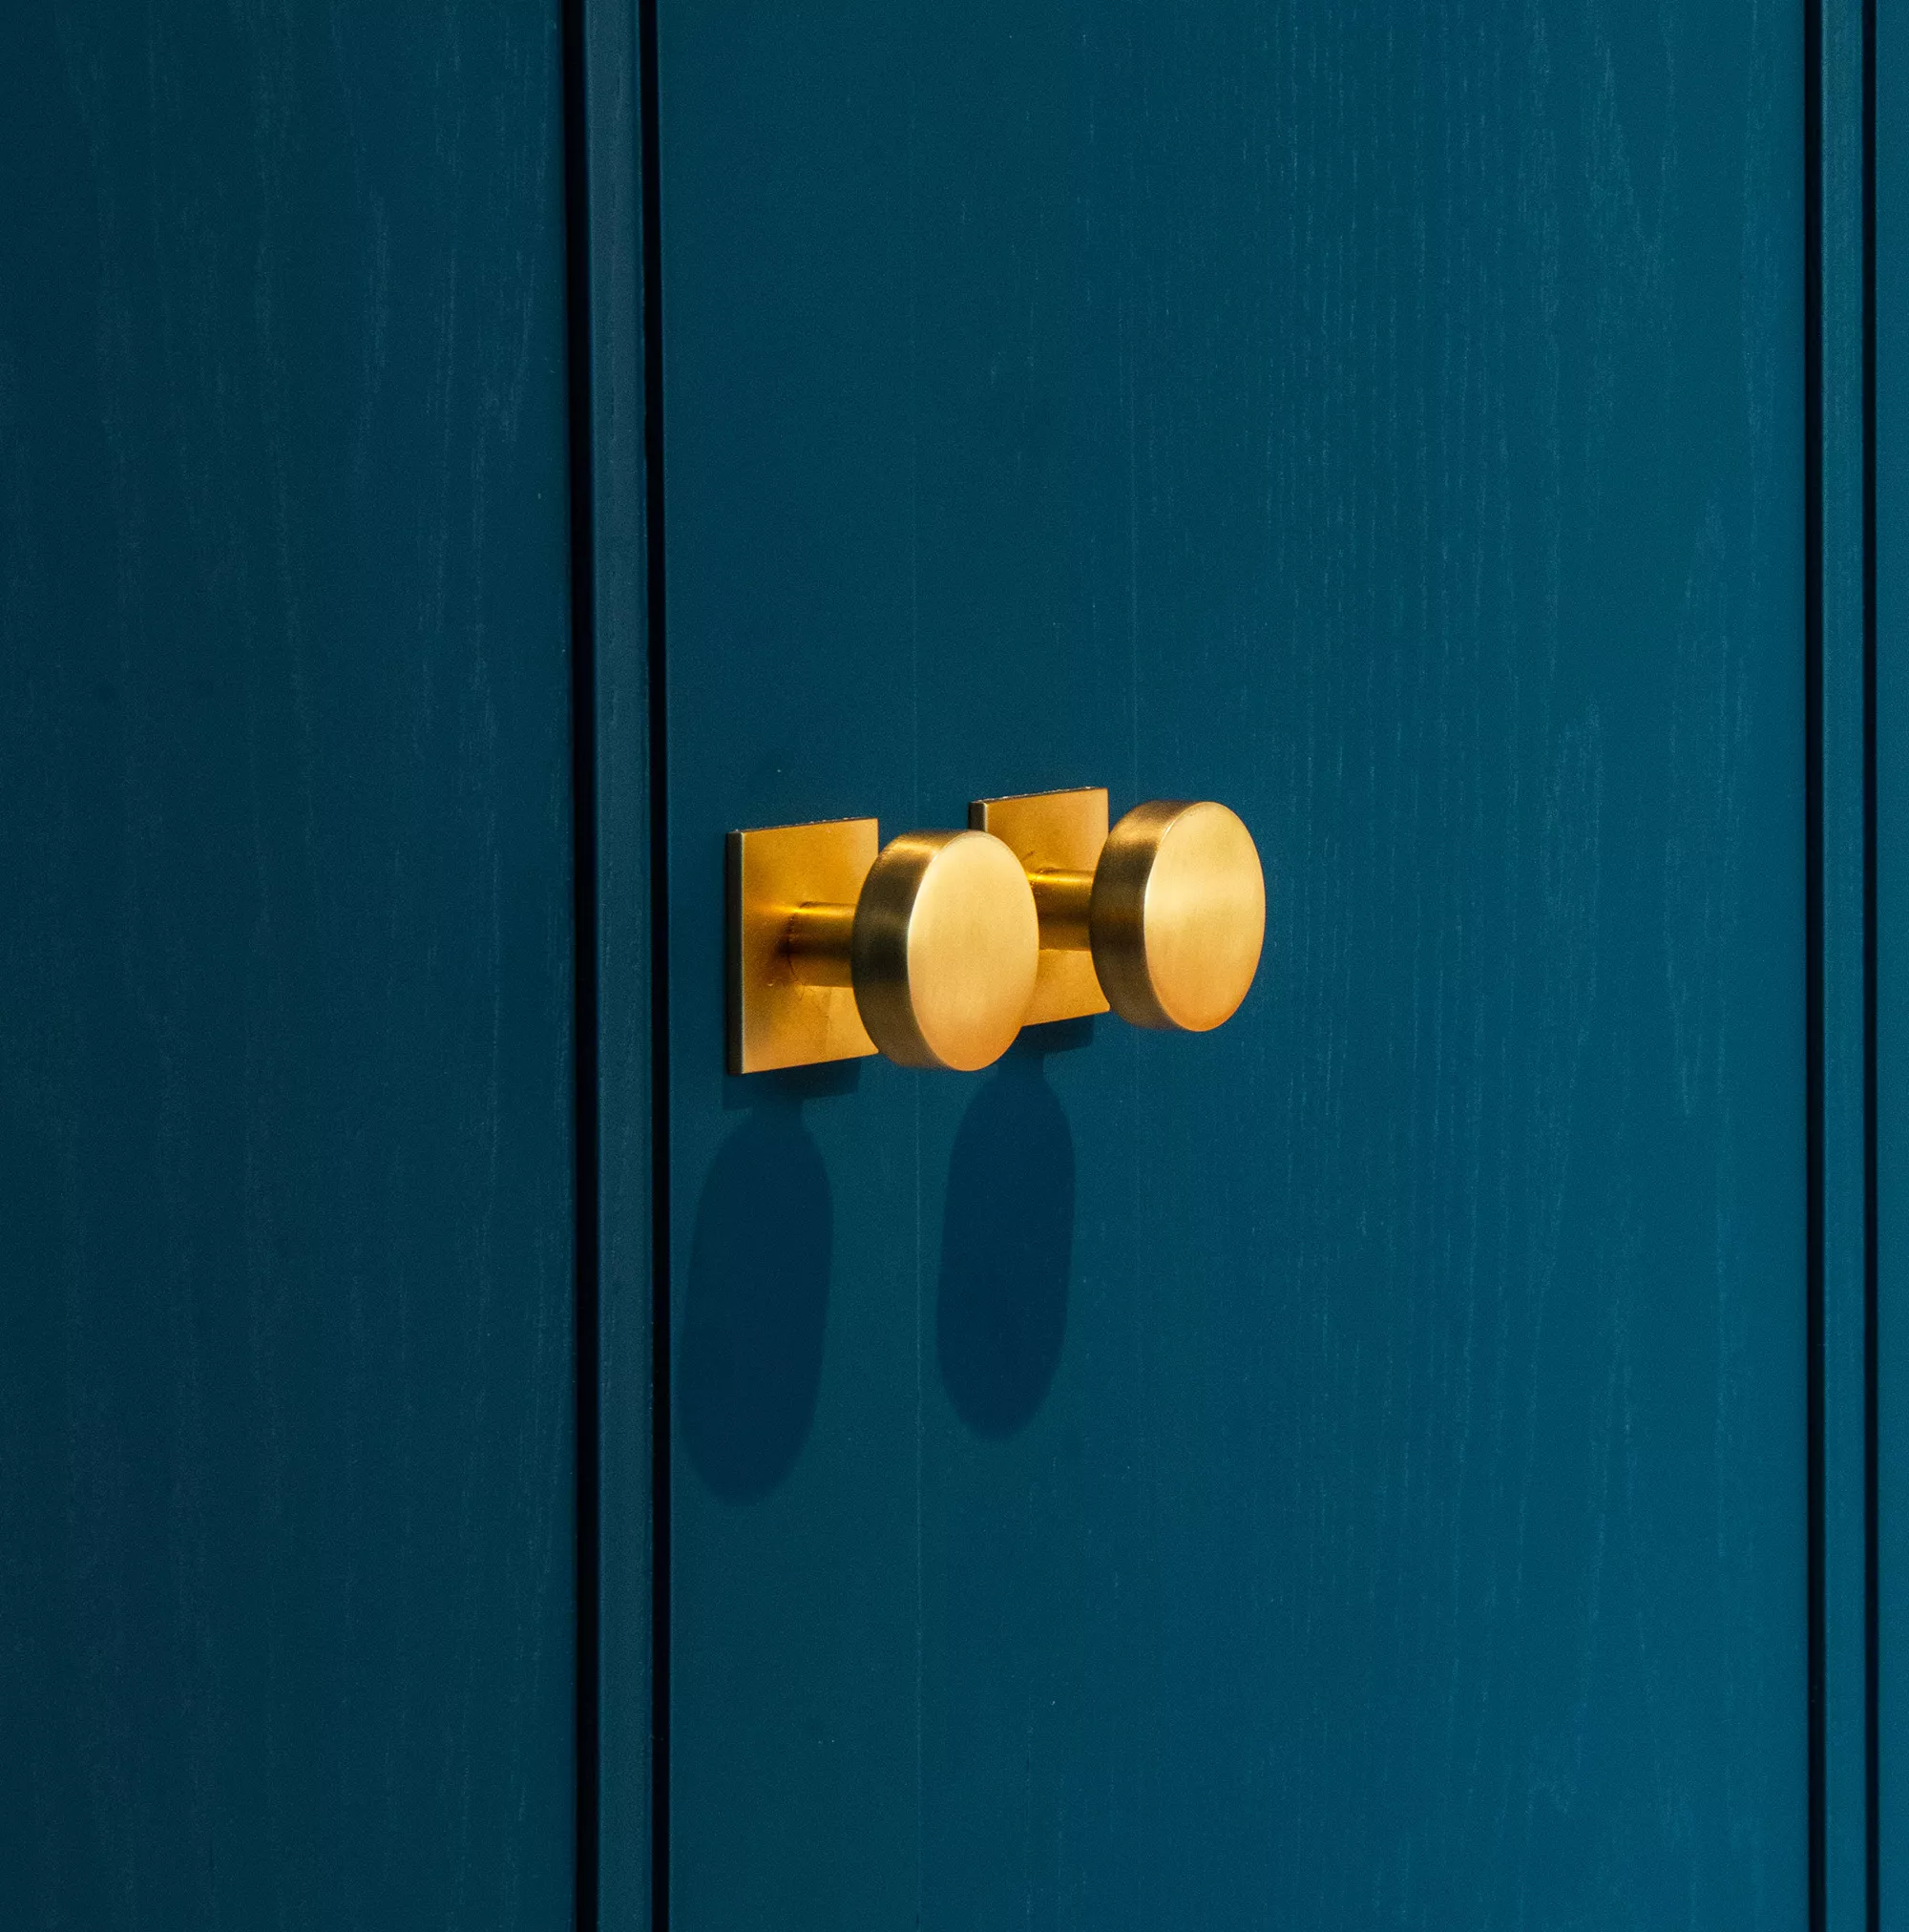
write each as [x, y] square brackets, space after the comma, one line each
[945, 949]
[1178, 915]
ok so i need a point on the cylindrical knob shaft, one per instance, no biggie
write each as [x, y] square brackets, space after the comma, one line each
[1065, 901]
[818, 944]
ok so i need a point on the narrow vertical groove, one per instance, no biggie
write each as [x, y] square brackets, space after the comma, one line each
[1872, 1656]
[1813, 976]
[657, 611]
[584, 963]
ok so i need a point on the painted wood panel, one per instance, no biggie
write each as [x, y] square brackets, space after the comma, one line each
[1350, 1468]
[287, 1476]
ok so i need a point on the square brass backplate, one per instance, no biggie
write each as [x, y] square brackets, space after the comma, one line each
[1064, 830]
[772, 1020]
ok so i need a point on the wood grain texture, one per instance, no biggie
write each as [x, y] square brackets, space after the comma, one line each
[1348, 1468]
[285, 1349]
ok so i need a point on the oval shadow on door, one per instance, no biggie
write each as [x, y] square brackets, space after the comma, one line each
[1007, 1243]
[749, 1363]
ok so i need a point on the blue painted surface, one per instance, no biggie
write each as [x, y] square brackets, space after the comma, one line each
[1348, 1468]
[286, 1484]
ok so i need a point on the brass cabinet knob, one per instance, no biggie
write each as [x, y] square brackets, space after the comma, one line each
[926, 951]
[1170, 905]
[1178, 915]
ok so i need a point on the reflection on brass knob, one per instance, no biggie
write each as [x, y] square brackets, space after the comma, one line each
[1170, 905]
[926, 951]
[1178, 915]
[945, 942]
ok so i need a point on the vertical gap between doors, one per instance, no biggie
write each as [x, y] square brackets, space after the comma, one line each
[656, 615]
[1812, 904]
[1872, 1739]
[1816, 719]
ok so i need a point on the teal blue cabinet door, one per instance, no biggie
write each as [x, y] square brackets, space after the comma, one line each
[1348, 1468]
[286, 1484]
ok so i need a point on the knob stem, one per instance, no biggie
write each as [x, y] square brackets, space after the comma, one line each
[819, 945]
[1062, 900]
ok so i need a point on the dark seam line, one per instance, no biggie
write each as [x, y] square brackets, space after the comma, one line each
[1871, 1533]
[1812, 904]
[656, 612]
[583, 891]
